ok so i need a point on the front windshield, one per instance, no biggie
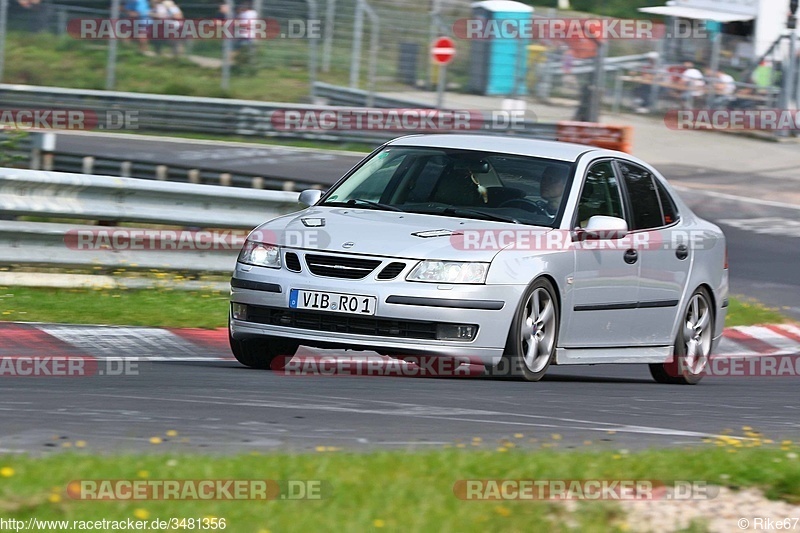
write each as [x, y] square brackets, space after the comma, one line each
[463, 183]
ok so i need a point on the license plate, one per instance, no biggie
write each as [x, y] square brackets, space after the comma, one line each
[332, 301]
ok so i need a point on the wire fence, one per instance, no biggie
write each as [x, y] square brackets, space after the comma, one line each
[384, 46]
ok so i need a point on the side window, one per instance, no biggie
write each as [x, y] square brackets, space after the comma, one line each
[667, 204]
[645, 203]
[600, 194]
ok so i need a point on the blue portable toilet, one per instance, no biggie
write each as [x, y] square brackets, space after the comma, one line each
[498, 63]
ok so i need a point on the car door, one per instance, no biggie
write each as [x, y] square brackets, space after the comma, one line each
[604, 286]
[664, 254]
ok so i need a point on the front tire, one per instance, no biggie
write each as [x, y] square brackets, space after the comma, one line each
[533, 336]
[264, 353]
[692, 344]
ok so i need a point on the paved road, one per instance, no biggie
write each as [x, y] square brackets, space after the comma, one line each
[223, 407]
[316, 166]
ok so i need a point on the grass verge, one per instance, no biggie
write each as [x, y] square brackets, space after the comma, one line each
[745, 311]
[390, 490]
[163, 307]
[196, 309]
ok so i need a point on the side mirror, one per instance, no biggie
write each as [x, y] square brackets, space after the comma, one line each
[604, 227]
[310, 197]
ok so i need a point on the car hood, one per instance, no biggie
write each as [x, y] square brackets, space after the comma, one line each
[383, 233]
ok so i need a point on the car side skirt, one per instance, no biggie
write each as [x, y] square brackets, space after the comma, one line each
[590, 356]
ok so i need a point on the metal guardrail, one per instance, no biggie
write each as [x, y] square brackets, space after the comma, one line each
[587, 66]
[128, 200]
[220, 116]
[345, 96]
[55, 194]
[55, 245]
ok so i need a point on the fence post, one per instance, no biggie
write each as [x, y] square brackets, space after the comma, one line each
[374, 38]
[3, 19]
[111, 64]
[227, 51]
[42, 148]
[312, 47]
[355, 57]
[327, 45]
[88, 165]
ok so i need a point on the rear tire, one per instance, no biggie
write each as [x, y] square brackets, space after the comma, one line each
[264, 353]
[692, 344]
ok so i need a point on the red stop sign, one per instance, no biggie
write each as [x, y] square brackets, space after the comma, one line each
[443, 50]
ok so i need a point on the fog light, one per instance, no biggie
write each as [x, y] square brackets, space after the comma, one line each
[455, 332]
[239, 311]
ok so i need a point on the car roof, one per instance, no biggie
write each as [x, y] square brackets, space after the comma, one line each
[560, 151]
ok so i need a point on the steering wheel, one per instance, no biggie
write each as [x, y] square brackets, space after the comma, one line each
[527, 205]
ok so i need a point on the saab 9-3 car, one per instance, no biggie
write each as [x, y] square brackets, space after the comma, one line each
[512, 253]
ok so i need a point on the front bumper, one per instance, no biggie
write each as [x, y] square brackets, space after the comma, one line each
[489, 307]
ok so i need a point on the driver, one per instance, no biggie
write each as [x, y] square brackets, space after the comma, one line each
[551, 188]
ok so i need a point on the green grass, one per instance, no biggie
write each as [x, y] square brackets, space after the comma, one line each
[155, 307]
[278, 72]
[747, 311]
[389, 490]
[44, 59]
[197, 309]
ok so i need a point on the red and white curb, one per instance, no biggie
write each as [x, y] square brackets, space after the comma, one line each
[189, 344]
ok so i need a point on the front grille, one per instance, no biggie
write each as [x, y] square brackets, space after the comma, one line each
[391, 270]
[333, 266]
[293, 262]
[342, 323]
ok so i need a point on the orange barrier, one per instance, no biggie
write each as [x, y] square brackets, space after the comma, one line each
[601, 135]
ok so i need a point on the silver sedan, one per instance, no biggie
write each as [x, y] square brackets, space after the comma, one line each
[511, 253]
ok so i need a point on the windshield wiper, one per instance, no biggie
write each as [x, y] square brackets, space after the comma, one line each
[360, 201]
[458, 211]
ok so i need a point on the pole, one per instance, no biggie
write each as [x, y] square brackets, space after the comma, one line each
[111, 65]
[327, 45]
[441, 87]
[655, 88]
[791, 70]
[374, 43]
[598, 82]
[433, 30]
[3, 19]
[788, 70]
[355, 56]
[312, 48]
[227, 51]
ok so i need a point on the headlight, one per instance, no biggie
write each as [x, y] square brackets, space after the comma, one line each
[260, 254]
[449, 272]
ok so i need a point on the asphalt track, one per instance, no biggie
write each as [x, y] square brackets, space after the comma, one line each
[221, 407]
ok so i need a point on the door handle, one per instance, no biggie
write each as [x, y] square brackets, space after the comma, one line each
[682, 252]
[631, 256]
